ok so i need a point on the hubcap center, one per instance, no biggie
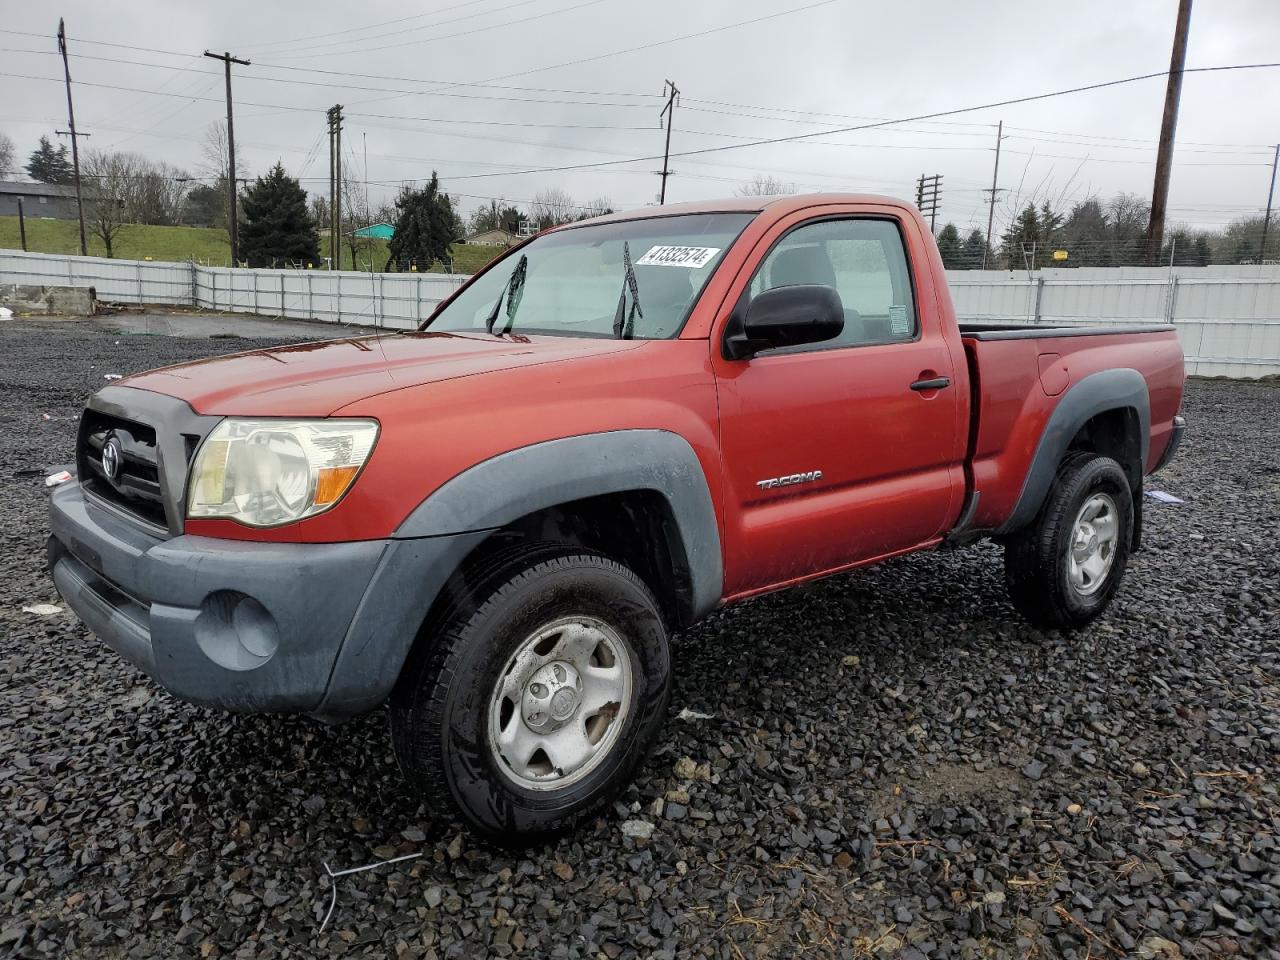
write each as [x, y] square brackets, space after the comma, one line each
[551, 696]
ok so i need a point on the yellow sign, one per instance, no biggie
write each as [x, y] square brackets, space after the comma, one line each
[1059, 254]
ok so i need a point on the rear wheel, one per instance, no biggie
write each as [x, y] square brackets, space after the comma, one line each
[1063, 569]
[532, 706]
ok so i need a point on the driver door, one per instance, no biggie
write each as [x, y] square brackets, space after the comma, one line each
[879, 463]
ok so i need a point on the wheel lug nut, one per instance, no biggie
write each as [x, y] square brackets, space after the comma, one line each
[538, 690]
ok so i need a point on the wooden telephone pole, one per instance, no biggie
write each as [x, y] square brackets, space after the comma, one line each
[669, 111]
[1168, 127]
[1266, 220]
[232, 227]
[929, 198]
[991, 209]
[71, 132]
[334, 114]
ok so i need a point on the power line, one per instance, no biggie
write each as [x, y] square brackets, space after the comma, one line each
[448, 36]
[348, 86]
[370, 26]
[303, 52]
[912, 119]
[296, 108]
[1130, 143]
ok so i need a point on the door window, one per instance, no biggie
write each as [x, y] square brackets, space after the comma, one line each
[864, 261]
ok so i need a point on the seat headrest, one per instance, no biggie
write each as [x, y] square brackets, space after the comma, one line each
[802, 265]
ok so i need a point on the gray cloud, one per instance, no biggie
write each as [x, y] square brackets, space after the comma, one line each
[835, 64]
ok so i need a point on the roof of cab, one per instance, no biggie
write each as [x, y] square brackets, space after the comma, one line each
[779, 204]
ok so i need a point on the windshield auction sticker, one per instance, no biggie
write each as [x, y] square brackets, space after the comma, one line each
[691, 257]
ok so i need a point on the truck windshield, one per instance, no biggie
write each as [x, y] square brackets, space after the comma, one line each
[576, 282]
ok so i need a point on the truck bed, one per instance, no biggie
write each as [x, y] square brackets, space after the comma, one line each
[1018, 376]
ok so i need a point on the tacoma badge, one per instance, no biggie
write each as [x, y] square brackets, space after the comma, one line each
[787, 481]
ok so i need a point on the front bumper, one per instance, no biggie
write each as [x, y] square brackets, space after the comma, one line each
[251, 627]
[245, 626]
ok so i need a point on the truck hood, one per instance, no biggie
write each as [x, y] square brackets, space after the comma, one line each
[315, 379]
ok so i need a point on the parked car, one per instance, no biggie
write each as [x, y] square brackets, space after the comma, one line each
[495, 524]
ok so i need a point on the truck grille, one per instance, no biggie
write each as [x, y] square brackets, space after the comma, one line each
[136, 487]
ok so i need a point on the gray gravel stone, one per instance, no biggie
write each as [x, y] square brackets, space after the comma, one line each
[863, 767]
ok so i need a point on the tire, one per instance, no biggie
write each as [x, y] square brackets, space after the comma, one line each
[473, 684]
[1047, 581]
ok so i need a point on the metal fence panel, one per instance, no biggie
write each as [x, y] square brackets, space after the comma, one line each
[1227, 317]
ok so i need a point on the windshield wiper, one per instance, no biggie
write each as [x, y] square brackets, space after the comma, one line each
[513, 290]
[624, 323]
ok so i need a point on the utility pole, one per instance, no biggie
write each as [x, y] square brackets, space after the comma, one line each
[232, 227]
[22, 226]
[1168, 127]
[1266, 220]
[669, 111]
[991, 210]
[75, 138]
[334, 114]
[929, 197]
[364, 142]
[332, 191]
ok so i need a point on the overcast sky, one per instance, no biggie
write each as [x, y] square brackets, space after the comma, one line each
[484, 89]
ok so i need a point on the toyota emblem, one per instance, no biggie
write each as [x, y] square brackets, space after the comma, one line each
[112, 457]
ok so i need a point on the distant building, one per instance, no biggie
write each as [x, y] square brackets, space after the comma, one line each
[38, 200]
[493, 238]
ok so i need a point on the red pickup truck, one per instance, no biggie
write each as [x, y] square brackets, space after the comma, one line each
[495, 523]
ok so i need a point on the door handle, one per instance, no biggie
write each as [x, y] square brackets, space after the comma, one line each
[937, 383]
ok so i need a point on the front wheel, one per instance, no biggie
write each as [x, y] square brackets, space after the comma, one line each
[533, 706]
[1063, 569]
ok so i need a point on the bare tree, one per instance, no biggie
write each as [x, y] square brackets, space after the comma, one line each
[355, 215]
[596, 208]
[110, 193]
[318, 205]
[765, 185]
[214, 154]
[552, 207]
[7, 156]
[160, 193]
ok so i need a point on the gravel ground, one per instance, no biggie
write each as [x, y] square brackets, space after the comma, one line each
[893, 764]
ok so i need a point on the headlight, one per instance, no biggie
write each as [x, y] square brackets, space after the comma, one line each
[265, 473]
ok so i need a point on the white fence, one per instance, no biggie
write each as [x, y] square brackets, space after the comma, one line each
[1227, 317]
[392, 300]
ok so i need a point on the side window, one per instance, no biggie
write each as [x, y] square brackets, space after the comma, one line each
[864, 260]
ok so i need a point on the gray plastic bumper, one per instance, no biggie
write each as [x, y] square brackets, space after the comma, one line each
[251, 627]
[1175, 441]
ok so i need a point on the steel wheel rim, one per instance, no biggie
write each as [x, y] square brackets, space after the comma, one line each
[560, 703]
[1094, 537]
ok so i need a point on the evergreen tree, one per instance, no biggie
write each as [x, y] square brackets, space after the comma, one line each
[1029, 242]
[48, 165]
[1086, 235]
[205, 206]
[277, 224]
[972, 253]
[426, 226]
[949, 246]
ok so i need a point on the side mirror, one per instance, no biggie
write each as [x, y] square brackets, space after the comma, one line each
[784, 317]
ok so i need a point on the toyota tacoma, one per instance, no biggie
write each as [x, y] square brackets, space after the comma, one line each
[494, 523]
